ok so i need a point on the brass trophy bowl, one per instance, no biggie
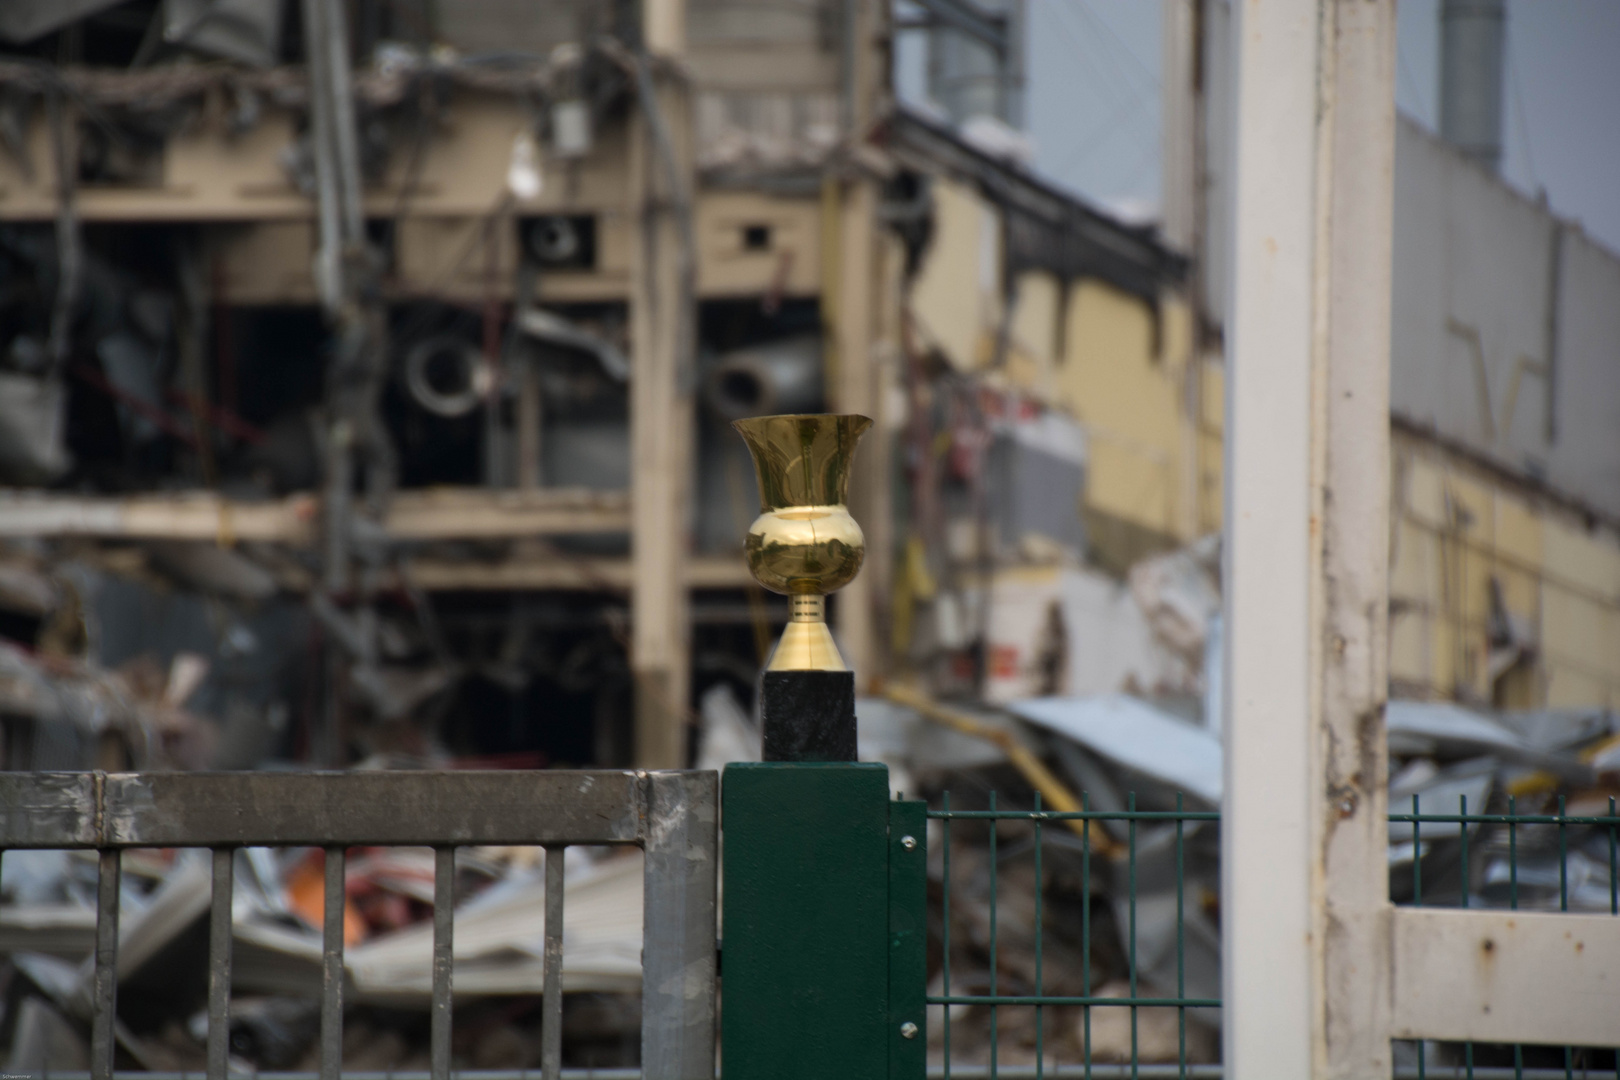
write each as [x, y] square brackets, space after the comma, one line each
[804, 544]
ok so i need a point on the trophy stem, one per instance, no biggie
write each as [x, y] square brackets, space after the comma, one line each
[807, 607]
[807, 643]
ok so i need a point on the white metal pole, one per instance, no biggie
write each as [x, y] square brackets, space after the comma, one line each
[1304, 881]
[1266, 924]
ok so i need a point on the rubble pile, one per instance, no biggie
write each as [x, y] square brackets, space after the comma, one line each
[1099, 905]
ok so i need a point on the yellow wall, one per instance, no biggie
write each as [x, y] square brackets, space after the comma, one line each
[955, 298]
[1154, 421]
[1123, 373]
[1152, 406]
[1455, 529]
[1034, 334]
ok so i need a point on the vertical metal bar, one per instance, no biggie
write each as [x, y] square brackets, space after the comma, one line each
[678, 930]
[1181, 948]
[219, 964]
[103, 1046]
[1462, 827]
[551, 1005]
[1462, 811]
[1130, 804]
[1563, 859]
[1085, 928]
[945, 913]
[1304, 868]
[1518, 1048]
[1614, 876]
[993, 1025]
[1417, 901]
[1563, 905]
[332, 966]
[444, 928]
[1417, 855]
[1513, 853]
[1040, 982]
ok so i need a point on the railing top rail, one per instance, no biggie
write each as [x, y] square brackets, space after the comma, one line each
[123, 810]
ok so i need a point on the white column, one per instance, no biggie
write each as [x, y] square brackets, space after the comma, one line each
[663, 319]
[1304, 880]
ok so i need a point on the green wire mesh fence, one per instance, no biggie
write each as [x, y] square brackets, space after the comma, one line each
[1147, 922]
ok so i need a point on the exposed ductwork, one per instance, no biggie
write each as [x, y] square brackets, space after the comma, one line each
[782, 376]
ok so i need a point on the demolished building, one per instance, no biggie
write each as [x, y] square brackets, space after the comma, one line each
[409, 446]
[389, 380]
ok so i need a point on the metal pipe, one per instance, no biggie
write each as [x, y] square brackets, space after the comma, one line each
[103, 1042]
[444, 903]
[551, 1002]
[328, 256]
[345, 141]
[332, 966]
[778, 377]
[219, 964]
[1473, 37]
[69, 243]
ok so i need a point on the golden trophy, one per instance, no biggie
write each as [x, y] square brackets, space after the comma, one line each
[804, 544]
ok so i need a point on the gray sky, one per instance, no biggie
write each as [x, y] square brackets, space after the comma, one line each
[1093, 99]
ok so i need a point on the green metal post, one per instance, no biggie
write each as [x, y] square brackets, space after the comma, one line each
[824, 927]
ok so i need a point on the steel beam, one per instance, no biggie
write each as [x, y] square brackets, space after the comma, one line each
[439, 514]
[120, 810]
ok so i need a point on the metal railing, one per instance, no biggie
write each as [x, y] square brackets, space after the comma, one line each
[670, 815]
[1498, 848]
[1489, 845]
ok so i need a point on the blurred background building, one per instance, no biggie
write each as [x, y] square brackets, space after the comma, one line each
[367, 372]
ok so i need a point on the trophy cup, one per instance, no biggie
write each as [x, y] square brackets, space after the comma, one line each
[805, 544]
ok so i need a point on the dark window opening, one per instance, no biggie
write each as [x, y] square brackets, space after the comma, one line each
[756, 237]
